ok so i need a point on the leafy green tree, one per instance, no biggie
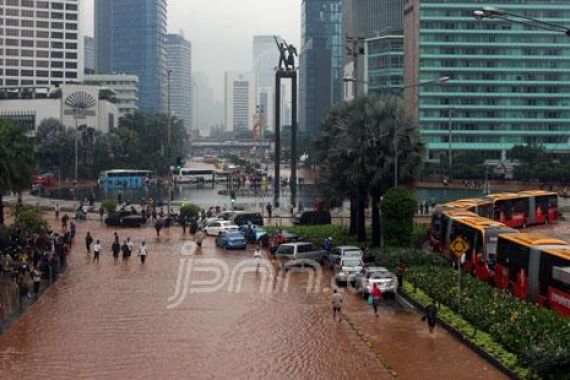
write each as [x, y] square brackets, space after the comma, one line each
[30, 220]
[17, 162]
[356, 153]
[398, 208]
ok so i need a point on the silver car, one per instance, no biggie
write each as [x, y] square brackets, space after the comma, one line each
[386, 280]
[346, 268]
[342, 251]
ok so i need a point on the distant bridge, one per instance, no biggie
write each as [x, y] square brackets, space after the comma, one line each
[230, 144]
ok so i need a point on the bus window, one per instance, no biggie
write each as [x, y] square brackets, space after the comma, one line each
[513, 257]
[486, 211]
[547, 264]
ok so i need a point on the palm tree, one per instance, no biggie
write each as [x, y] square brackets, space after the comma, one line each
[356, 151]
[16, 161]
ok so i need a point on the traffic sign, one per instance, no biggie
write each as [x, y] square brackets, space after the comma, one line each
[459, 246]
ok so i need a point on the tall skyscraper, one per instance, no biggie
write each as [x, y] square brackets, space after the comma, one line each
[265, 59]
[89, 54]
[362, 20]
[179, 52]
[509, 83]
[42, 43]
[321, 61]
[131, 38]
[239, 101]
[207, 112]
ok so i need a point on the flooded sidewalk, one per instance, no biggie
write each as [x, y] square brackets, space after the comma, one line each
[128, 320]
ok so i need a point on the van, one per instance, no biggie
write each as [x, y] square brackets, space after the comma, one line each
[308, 218]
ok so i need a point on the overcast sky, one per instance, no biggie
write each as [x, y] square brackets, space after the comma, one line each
[221, 31]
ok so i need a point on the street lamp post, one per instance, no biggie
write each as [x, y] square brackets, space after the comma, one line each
[449, 129]
[494, 13]
[168, 150]
[440, 80]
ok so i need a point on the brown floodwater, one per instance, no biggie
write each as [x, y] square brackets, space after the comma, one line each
[126, 321]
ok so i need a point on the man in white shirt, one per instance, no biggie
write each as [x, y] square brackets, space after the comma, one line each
[97, 251]
[143, 252]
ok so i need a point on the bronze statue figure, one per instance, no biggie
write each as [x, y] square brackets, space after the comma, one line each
[282, 46]
[291, 58]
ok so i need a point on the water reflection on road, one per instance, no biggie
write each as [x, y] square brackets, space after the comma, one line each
[110, 320]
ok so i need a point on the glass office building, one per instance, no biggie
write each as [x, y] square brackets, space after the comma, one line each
[385, 65]
[510, 83]
[321, 61]
[131, 38]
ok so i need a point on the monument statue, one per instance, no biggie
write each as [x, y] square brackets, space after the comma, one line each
[287, 54]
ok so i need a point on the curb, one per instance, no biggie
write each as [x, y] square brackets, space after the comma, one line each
[459, 336]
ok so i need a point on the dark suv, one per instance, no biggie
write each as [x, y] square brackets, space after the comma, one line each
[306, 218]
[241, 218]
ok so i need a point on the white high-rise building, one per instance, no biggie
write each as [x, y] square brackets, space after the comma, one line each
[265, 60]
[239, 100]
[42, 43]
[179, 52]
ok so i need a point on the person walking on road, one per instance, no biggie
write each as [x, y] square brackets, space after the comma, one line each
[376, 294]
[336, 305]
[130, 246]
[269, 209]
[199, 237]
[125, 249]
[430, 315]
[183, 224]
[56, 209]
[143, 252]
[158, 227]
[88, 241]
[116, 248]
[257, 256]
[96, 251]
[36, 277]
[64, 220]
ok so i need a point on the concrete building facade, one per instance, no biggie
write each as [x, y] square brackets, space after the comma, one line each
[509, 83]
[125, 87]
[42, 43]
[179, 51]
[239, 100]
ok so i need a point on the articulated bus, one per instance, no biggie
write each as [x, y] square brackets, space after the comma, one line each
[481, 207]
[520, 210]
[535, 268]
[481, 235]
[188, 175]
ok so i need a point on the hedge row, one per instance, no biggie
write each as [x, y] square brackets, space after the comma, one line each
[539, 337]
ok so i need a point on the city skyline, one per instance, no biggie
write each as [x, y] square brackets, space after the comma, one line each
[219, 46]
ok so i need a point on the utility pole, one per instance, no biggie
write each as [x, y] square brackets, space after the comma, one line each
[168, 149]
[449, 134]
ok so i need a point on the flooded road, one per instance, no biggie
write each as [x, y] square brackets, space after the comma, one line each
[125, 321]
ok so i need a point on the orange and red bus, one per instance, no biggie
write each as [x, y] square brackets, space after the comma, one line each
[526, 208]
[480, 206]
[480, 233]
[535, 268]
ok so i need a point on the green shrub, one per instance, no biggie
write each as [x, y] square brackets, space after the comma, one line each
[398, 208]
[539, 337]
[30, 220]
[109, 205]
[390, 257]
[419, 235]
[189, 210]
[317, 234]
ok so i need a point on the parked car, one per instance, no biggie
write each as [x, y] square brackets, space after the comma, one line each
[204, 222]
[307, 218]
[226, 215]
[124, 219]
[346, 268]
[214, 228]
[231, 240]
[386, 280]
[342, 251]
[299, 264]
[253, 233]
[300, 250]
[274, 239]
[241, 217]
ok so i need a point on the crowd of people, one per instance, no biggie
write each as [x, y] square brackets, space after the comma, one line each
[94, 248]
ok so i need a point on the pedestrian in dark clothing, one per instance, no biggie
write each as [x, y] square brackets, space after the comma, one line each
[400, 270]
[64, 220]
[101, 212]
[36, 277]
[269, 209]
[88, 241]
[72, 231]
[125, 249]
[158, 227]
[183, 224]
[116, 248]
[430, 315]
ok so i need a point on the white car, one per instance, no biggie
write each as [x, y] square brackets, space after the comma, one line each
[214, 228]
[342, 252]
